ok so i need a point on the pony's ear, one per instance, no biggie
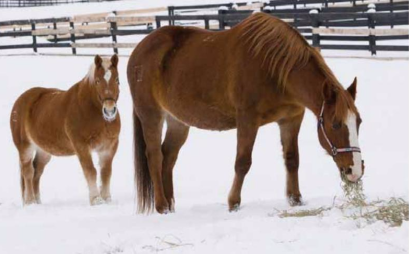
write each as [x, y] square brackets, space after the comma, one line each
[329, 93]
[98, 61]
[114, 60]
[352, 89]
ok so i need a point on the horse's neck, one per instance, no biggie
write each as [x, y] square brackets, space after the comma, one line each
[86, 96]
[306, 85]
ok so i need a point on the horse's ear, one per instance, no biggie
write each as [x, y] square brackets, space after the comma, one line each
[329, 93]
[98, 61]
[352, 89]
[114, 60]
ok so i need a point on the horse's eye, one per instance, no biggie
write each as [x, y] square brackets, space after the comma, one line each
[117, 81]
[336, 126]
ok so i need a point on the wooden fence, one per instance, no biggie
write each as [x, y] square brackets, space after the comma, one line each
[34, 3]
[323, 28]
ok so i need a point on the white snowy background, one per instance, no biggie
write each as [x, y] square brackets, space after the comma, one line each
[65, 223]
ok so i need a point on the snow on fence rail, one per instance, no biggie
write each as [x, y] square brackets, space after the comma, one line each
[317, 27]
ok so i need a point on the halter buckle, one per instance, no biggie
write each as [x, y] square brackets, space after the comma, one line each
[334, 151]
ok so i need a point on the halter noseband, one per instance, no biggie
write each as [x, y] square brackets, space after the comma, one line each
[333, 148]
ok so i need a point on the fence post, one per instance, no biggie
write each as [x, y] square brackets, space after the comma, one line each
[392, 16]
[315, 24]
[33, 28]
[157, 22]
[221, 13]
[114, 28]
[171, 14]
[55, 28]
[207, 26]
[372, 38]
[72, 36]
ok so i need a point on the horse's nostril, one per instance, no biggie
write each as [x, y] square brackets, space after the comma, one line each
[348, 171]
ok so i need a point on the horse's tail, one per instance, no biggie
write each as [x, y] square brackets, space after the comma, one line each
[143, 180]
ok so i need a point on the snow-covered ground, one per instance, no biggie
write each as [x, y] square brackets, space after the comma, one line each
[65, 223]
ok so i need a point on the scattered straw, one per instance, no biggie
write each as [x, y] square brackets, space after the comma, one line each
[355, 206]
[303, 213]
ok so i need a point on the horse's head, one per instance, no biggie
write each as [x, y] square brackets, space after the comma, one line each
[338, 130]
[105, 81]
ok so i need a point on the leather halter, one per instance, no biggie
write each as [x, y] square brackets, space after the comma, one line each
[333, 148]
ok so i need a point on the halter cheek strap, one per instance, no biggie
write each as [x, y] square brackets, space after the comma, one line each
[333, 148]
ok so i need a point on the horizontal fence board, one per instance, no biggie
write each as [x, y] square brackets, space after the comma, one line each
[103, 45]
[377, 31]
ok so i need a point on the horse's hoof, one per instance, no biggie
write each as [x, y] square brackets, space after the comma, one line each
[163, 209]
[97, 201]
[295, 200]
[234, 208]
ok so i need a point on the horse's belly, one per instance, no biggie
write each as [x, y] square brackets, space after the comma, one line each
[203, 117]
[61, 148]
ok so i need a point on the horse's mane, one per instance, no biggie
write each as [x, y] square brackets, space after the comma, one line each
[283, 49]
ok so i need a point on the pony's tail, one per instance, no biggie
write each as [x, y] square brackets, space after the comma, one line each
[143, 180]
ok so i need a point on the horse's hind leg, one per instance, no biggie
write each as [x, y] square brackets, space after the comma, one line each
[27, 173]
[247, 128]
[40, 161]
[152, 125]
[176, 135]
[289, 129]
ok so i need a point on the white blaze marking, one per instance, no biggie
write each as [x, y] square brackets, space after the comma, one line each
[107, 75]
[353, 142]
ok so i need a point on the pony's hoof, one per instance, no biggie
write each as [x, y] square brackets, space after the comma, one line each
[97, 201]
[295, 200]
[234, 208]
[107, 200]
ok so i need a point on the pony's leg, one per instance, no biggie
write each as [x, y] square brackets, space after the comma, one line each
[176, 135]
[90, 173]
[247, 128]
[289, 129]
[27, 173]
[40, 161]
[152, 125]
[105, 161]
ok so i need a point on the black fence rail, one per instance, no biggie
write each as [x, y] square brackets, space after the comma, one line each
[34, 3]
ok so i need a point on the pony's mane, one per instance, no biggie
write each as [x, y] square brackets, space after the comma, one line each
[106, 64]
[283, 49]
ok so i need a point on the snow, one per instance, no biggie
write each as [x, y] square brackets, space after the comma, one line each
[65, 223]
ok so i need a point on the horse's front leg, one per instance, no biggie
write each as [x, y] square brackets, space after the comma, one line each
[247, 128]
[84, 155]
[106, 156]
[289, 129]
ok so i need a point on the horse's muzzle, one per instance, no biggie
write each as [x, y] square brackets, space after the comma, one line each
[109, 110]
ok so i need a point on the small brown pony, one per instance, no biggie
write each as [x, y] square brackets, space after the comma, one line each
[258, 72]
[83, 119]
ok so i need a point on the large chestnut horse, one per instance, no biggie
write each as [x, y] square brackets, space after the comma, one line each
[51, 122]
[260, 71]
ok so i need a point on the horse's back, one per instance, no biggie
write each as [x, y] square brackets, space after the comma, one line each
[178, 68]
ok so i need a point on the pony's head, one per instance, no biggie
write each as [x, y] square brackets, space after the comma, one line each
[103, 77]
[338, 129]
